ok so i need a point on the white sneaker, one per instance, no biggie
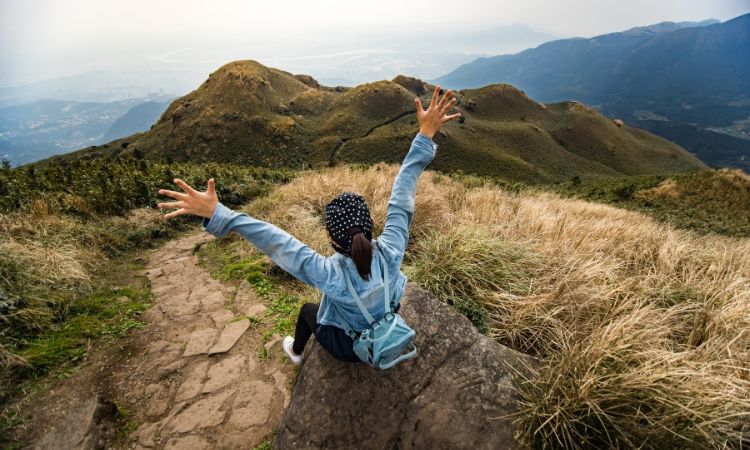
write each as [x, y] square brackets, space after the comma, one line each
[287, 344]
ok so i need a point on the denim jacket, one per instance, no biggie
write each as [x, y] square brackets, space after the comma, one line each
[325, 273]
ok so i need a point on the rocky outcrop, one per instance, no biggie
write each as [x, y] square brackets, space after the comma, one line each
[457, 393]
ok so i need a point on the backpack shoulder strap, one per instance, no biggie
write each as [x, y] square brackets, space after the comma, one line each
[389, 306]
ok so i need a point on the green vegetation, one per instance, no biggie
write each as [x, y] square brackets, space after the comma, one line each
[127, 424]
[708, 201]
[265, 445]
[637, 311]
[115, 186]
[102, 316]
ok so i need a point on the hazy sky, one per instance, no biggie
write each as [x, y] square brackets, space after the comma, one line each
[41, 39]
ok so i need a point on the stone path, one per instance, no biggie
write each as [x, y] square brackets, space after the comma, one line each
[200, 383]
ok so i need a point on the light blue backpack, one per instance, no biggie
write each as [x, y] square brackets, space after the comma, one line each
[389, 340]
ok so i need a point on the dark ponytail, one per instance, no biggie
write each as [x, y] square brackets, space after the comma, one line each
[361, 252]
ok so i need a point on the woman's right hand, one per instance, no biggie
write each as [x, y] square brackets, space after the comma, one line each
[431, 119]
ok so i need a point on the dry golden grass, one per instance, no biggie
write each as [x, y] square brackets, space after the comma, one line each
[643, 330]
[47, 260]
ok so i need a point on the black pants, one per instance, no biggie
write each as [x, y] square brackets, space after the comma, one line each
[332, 338]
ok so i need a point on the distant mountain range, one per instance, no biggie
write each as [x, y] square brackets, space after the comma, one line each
[33, 131]
[689, 82]
[249, 113]
[138, 118]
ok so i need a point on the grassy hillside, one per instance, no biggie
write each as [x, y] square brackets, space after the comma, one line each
[708, 201]
[643, 329]
[248, 113]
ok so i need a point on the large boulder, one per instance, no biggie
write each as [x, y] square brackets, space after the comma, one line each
[458, 392]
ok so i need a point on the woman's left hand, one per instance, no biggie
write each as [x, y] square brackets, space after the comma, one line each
[191, 202]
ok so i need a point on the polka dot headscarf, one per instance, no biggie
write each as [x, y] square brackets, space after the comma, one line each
[345, 211]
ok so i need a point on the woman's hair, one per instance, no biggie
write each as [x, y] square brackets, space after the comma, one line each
[361, 252]
[349, 224]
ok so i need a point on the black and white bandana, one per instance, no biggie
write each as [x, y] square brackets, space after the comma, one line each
[345, 211]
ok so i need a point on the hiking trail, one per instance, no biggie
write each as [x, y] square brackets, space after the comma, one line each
[203, 383]
[196, 376]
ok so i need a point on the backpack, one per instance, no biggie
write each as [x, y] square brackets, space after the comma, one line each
[383, 344]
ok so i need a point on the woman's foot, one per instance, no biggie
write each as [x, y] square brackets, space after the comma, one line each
[287, 344]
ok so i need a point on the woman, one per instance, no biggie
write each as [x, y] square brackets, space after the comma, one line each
[349, 228]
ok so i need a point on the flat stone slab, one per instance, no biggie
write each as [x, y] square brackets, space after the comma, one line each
[193, 382]
[271, 345]
[179, 307]
[204, 413]
[158, 401]
[213, 301]
[251, 404]
[282, 384]
[187, 443]
[200, 342]
[147, 434]
[224, 372]
[229, 336]
[222, 317]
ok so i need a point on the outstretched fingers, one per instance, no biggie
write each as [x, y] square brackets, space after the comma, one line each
[445, 100]
[173, 194]
[418, 104]
[185, 187]
[435, 95]
[179, 212]
[444, 108]
[170, 205]
[451, 117]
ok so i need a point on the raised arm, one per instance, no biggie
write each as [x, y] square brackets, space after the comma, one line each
[289, 253]
[401, 204]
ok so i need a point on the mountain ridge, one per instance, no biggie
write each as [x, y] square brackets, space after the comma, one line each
[248, 113]
[697, 76]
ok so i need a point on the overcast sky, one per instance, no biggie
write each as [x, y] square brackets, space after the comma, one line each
[41, 39]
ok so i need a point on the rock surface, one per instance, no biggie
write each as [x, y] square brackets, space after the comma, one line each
[91, 426]
[457, 393]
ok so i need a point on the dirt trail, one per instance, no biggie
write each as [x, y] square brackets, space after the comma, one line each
[192, 378]
[201, 383]
[336, 150]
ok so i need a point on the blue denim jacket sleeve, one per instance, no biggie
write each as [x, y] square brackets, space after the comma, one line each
[401, 204]
[288, 252]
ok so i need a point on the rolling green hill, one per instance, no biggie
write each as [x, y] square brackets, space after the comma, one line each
[252, 114]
